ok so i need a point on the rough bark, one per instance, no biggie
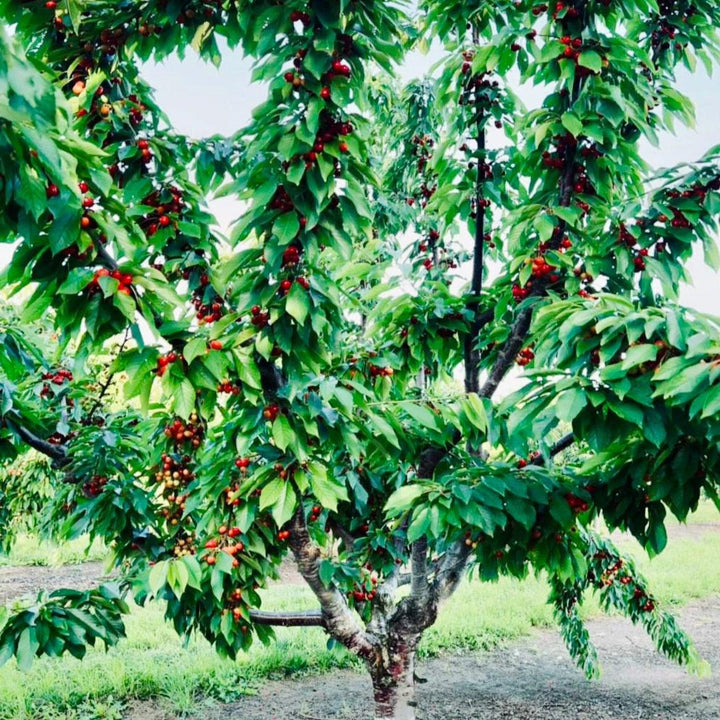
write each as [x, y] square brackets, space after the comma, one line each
[394, 682]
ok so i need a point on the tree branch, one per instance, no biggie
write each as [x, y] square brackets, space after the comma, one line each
[563, 444]
[420, 588]
[308, 618]
[507, 356]
[338, 619]
[57, 453]
[450, 571]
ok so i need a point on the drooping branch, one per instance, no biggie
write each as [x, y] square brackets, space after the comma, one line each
[308, 618]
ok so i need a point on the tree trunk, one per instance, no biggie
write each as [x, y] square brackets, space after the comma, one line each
[394, 684]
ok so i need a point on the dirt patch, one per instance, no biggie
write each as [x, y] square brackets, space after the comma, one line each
[531, 680]
[16, 582]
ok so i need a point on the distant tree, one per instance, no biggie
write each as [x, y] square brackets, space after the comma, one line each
[297, 389]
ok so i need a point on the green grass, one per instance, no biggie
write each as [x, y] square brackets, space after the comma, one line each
[28, 550]
[153, 663]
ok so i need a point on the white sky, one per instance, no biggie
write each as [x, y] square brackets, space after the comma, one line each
[202, 100]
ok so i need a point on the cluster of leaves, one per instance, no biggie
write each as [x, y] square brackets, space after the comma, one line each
[63, 621]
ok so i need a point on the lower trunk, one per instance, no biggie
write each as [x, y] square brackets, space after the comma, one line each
[394, 685]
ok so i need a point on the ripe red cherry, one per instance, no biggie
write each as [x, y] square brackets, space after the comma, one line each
[289, 76]
[164, 220]
[84, 187]
[343, 147]
[255, 310]
[52, 190]
[50, 4]
[215, 345]
[143, 144]
[325, 93]
[88, 202]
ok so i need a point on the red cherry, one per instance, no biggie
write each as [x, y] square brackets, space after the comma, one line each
[84, 187]
[215, 345]
[88, 202]
[52, 190]
[325, 93]
[343, 147]
[164, 220]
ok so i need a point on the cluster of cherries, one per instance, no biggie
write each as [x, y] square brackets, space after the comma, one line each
[522, 463]
[271, 412]
[377, 371]
[164, 361]
[124, 281]
[93, 487]
[229, 388]
[227, 542]
[286, 285]
[577, 505]
[615, 571]
[259, 318]
[159, 217]
[210, 310]
[525, 357]
[236, 606]
[175, 474]
[59, 377]
[182, 433]
[366, 590]
[184, 544]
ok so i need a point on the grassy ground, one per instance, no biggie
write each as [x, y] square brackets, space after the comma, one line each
[152, 662]
[28, 550]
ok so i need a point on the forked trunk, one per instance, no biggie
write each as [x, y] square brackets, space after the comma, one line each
[394, 685]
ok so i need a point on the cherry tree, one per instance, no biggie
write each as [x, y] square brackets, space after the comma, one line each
[442, 338]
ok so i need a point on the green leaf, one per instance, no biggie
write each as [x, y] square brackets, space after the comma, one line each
[194, 348]
[184, 398]
[282, 432]
[572, 123]
[297, 303]
[384, 428]
[421, 415]
[26, 648]
[590, 60]
[328, 492]
[403, 498]
[158, 576]
[570, 403]
[178, 577]
[286, 227]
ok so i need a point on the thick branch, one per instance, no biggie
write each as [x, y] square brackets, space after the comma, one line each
[57, 453]
[507, 356]
[337, 617]
[348, 539]
[451, 570]
[420, 588]
[308, 618]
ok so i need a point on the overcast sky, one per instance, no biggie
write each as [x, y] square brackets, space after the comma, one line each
[202, 100]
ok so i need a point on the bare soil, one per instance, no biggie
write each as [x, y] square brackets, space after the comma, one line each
[530, 680]
[16, 582]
